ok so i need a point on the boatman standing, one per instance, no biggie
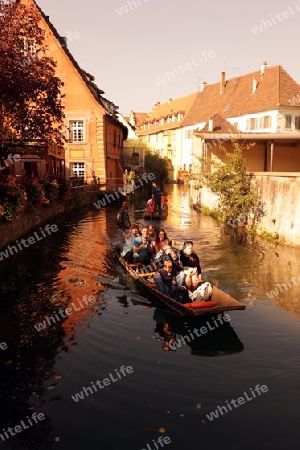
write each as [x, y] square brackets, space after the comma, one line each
[156, 196]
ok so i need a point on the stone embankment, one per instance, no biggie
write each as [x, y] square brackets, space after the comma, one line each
[31, 219]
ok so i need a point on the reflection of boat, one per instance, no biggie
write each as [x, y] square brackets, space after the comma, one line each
[222, 301]
[174, 333]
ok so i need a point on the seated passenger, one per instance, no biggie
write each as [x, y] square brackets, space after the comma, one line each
[150, 206]
[190, 261]
[164, 203]
[177, 266]
[151, 232]
[164, 251]
[201, 290]
[127, 252]
[142, 248]
[165, 279]
[160, 237]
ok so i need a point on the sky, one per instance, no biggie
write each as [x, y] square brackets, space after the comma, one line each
[146, 51]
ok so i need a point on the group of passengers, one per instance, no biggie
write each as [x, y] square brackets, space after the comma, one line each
[152, 251]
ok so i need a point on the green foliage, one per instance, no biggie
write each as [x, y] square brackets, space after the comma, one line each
[214, 213]
[231, 182]
[30, 100]
[154, 163]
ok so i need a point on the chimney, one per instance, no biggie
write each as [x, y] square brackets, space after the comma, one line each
[169, 101]
[210, 124]
[263, 68]
[254, 85]
[202, 86]
[222, 82]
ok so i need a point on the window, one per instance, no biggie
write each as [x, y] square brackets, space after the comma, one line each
[248, 124]
[78, 170]
[253, 123]
[297, 123]
[288, 121]
[267, 122]
[76, 131]
[188, 134]
[28, 46]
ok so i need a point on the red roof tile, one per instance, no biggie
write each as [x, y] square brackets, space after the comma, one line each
[274, 88]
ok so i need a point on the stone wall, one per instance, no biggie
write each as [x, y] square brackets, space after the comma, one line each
[281, 194]
[29, 220]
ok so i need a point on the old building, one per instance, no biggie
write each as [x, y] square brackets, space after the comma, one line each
[261, 107]
[94, 136]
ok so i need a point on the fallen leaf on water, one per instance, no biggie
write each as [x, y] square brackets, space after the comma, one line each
[203, 421]
[50, 388]
[181, 415]
[57, 377]
[168, 412]
[161, 430]
[198, 406]
[57, 439]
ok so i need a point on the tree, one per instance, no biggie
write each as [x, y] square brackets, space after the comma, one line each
[30, 100]
[154, 163]
[232, 183]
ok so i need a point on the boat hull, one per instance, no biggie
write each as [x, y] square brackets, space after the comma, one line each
[223, 301]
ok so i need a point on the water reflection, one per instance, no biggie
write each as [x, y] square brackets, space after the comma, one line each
[41, 369]
[174, 332]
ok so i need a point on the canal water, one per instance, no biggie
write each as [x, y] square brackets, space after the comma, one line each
[245, 371]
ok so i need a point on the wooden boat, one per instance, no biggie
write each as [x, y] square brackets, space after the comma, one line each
[223, 302]
[151, 215]
[155, 216]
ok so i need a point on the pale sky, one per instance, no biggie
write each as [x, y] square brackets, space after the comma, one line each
[127, 52]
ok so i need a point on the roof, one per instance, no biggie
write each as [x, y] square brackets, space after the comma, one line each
[88, 79]
[218, 125]
[163, 110]
[138, 118]
[247, 94]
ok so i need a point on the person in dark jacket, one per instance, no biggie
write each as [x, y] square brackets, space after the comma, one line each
[123, 221]
[156, 196]
[165, 279]
[188, 257]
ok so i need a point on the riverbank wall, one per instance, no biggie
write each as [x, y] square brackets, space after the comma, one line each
[34, 217]
[280, 191]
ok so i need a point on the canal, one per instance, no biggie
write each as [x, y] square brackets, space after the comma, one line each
[53, 364]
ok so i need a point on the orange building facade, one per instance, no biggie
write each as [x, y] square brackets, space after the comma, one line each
[92, 133]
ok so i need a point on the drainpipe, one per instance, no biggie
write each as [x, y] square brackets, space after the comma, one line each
[271, 155]
[266, 157]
